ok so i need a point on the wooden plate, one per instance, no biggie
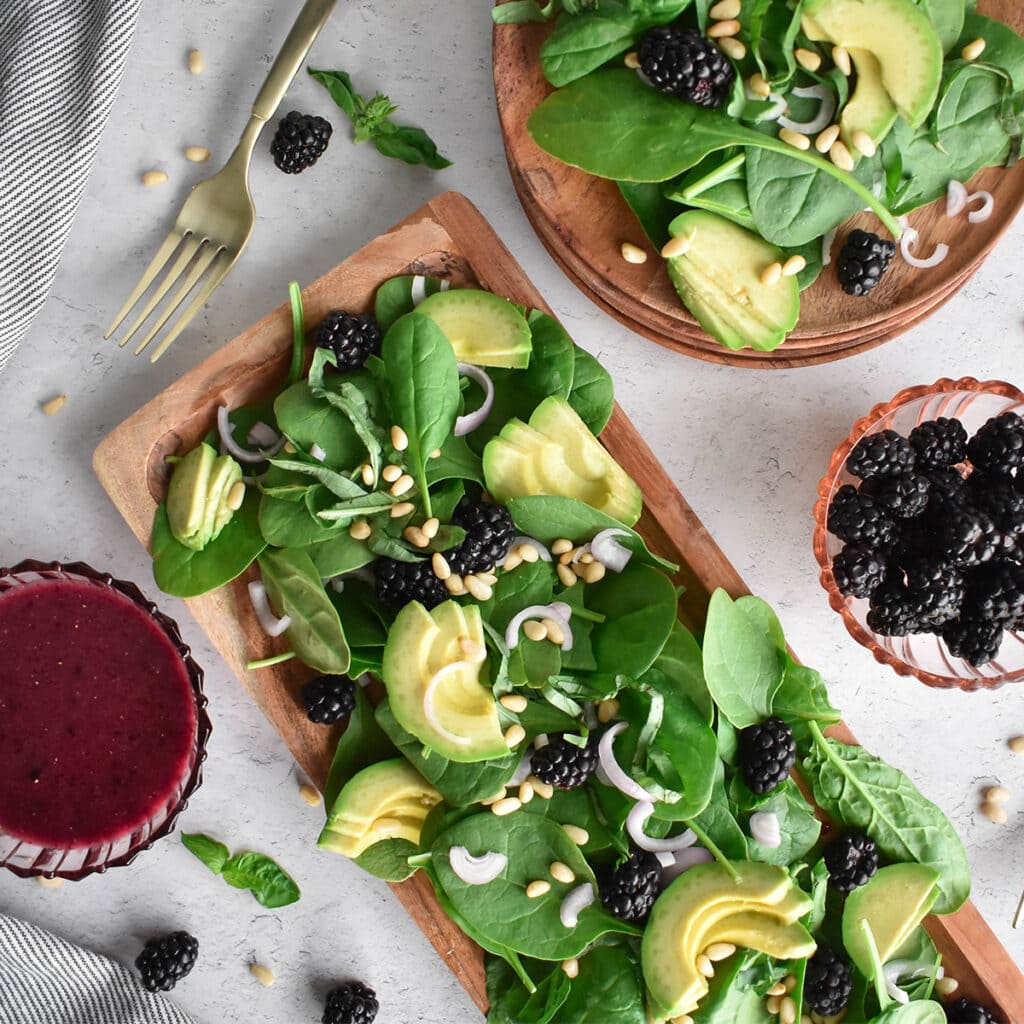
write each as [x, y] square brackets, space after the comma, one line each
[446, 237]
[582, 221]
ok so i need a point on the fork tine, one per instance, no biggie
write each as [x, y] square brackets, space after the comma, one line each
[190, 246]
[207, 254]
[163, 254]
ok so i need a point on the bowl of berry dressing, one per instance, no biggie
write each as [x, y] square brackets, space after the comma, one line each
[919, 533]
[103, 726]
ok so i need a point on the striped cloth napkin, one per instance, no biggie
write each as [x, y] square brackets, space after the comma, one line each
[60, 66]
[45, 980]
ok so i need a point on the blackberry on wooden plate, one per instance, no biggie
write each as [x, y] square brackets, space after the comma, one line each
[963, 1011]
[767, 752]
[300, 140]
[863, 261]
[683, 63]
[853, 516]
[902, 495]
[881, 454]
[398, 583]
[489, 534]
[998, 447]
[974, 640]
[630, 890]
[941, 442]
[563, 763]
[352, 337]
[164, 961]
[354, 1003]
[857, 570]
[851, 860]
[828, 983]
[329, 699]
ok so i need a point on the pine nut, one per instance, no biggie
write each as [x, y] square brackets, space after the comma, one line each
[841, 59]
[723, 29]
[577, 568]
[705, 966]
[391, 472]
[525, 792]
[789, 982]
[972, 51]
[946, 986]
[759, 86]
[196, 63]
[778, 989]
[487, 577]
[633, 253]
[726, 9]
[1016, 744]
[787, 1011]
[607, 711]
[773, 1004]
[402, 485]
[996, 794]
[539, 887]
[455, 586]
[514, 735]
[535, 630]
[840, 156]
[807, 59]
[399, 438]
[995, 813]
[366, 473]
[49, 883]
[310, 794]
[513, 561]
[54, 405]
[477, 588]
[593, 573]
[719, 951]
[864, 143]
[474, 651]
[674, 247]
[555, 632]
[492, 800]
[153, 178]
[632, 60]
[793, 266]
[826, 140]
[566, 575]
[543, 789]
[795, 139]
[430, 527]
[436, 453]
[507, 805]
[528, 553]
[561, 546]
[402, 508]
[571, 967]
[771, 275]
[732, 48]
[235, 496]
[442, 570]
[684, 1018]
[264, 975]
[514, 702]
[360, 530]
[197, 154]
[580, 836]
[562, 873]
[289, 448]
[415, 536]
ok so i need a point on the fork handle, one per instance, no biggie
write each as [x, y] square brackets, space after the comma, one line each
[308, 24]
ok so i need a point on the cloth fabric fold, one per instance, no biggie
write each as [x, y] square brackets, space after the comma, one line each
[61, 63]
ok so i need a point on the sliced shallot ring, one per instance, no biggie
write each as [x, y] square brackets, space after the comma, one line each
[262, 435]
[428, 700]
[316, 452]
[616, 775]
[272, 625]
[776, 111]
[827, 241]
[235, 449]
[635, 821]
[519, 540]
[576, 901]
[468, 423]
[764, 829]
[476, 870]
[538, 611]
[956, 197]
[826, 111]
[683, 860]
[418, 289]
[608, 551]
[909, 240]
[984, 211]
[524, 769]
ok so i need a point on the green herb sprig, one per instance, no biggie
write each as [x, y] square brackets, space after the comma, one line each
[269, 883]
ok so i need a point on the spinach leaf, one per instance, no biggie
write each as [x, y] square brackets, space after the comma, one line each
[582, 44]
[592, 395]
[948, 18]
[530, 583]
[609, 987]
[803, 698]
[337, 483]
[457, 461]
[212, 853]
[394, 298]
[736, 993]
[575, 807]
[290, 524]
[307, 419]
[389, 859]
[185, 572]
[265, 879]
[798, 826]
[819, 895]
[340, 554]
[511, 1003]
[353, 404]
[294, 588]
[718, 822]
[362, 743]
[862, 791]
[1004, 48]
[912, 1013]
[651, 207]
[362, 617]
[680, 664]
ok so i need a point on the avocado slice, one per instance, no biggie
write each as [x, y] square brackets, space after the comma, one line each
[899, 34]
[223, 477]
[485, 329]
[186, 495]
[869, 109]
[388, 800]
[752, 929]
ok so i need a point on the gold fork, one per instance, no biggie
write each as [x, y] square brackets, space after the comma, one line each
[217, 218]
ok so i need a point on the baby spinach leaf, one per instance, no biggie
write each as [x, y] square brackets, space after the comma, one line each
[575, 807]
[533, 662]
[306, 419]
[680, 664]
[718, 823]
[912, 1013]
[819, 894]
[350, 401]
[362, 617]
[294, 588]
[763, 617]
[736, 994]
[1004, 48]
[389, 859]
[530, 583]
[457, 462]
[609, 987]
[798, 826]
[211, 852]
[948, 18]
[362, 743]
[802, 697]
[340, 554]
[511, 1003]
[651, 207]
[582, 44]
[592, 395]
[394, 298]
[289, 524]
[265, 879]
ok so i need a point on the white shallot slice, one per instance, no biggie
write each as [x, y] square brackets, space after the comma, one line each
[909, 969]
[476, 870]
[272, 625]
[519, 540]
[235, 449]
[468, 423]
[262, 435]
[777, 109]
[764, 828]
[418, 290]
[907, 242]
[539, 611]
[430, 712]
[985, 210]
[608, 551]
[956, 197]
[317, 452]
[576, 901]
[635, 821]
[683, 860]
[827, 241]
[616, 775]
[524, 769]
[826, 110]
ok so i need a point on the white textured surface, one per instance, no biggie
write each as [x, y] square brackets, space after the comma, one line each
[745, 447]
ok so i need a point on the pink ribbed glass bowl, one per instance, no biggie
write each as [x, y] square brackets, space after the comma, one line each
[104, 729]
[923, 656]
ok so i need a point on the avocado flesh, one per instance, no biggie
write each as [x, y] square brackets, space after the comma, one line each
[869, 109]
[388, 800]
[186, 496]
[484, 329]
[752, 929]
[900, 35]
[225, 474]
[894, 901]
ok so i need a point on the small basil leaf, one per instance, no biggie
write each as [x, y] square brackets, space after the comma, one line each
[212, 853]
[268, 882]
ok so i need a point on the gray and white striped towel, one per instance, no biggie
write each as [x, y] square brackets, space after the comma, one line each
[60, 66]
[45, 980]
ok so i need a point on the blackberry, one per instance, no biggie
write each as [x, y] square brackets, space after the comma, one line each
[967, 537]
[354, 1003]
[163, 962]
[684, 64]
[999, 498]
[489, 535]
[352, 337]
[998, 447]
[563, 763]
[936, 590]
[398, 583]
[630, 890]
[858, 569]
[862, 262]
[300, 140]
[902, 495]
[851, 860]
[946, 482]
[329, 699]
[995, 593]
[881, 454]
[767, 752]
[963, 1011]
[858, 517]
[975, 641]
[892, 611]
[828, 983]
[941, 442]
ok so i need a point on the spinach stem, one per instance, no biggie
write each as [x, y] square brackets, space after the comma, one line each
[586, 615]
[421, 479]
[298, 333]
[725, 172]
[275, 659]
[876, 966]
[714, 850]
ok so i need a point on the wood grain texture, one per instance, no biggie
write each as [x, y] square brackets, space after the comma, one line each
[447, 237]
[582, 221]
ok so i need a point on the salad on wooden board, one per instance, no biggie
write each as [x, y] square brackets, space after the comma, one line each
[744, 133]
[617, 811]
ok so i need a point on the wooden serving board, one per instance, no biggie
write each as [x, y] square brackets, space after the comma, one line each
[582, 221]
[447, 237]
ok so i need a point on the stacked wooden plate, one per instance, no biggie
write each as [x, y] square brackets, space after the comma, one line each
[583, 221]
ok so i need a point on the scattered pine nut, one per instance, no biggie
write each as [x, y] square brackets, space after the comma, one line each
[49, 883]
[827, 139]
[492, 800]
[514, 735]
[787, 1011]
[793, 266]
[732, 47]
[196, 63]
[632, 60]
[506, 806]
[236, 496]
[430, 527]
[390, 473]
[996, 794]
[807, 59]
[539, 887]
[778, 989]
[525, 792]
[633, 253]
[310, 794]
[402, 485]
[759, 86]
[593, 573]
[562, 545]
[841, 59]
[514, 702]
[864, 144]
[771, 275]
[795, 139]
[725, 9]
[474, 651]
[487, 577]
[562, 873]
[566, 575]
[197, 154]
[946, 986]
[719, 951]
[571, 967]
[54, 405]
[705, 966]
[840, 156]
[994, 812]
[580, 836]
[543, 789]
[360, 530]
[568, 556]
[972, 51]
[789, 982]
[677, 246]
[1016, 744]
[773, 1004]
[555, 633]
[512, 561]
[528, 553]
[436, 453]
[442, 570]
[477, 588]
[454, 585]
[366, 473]
[535, 630]
[607, 710]
[414, 535]
[289, 448]
[264, 975]
[153, 178]
[402, 508]
[723, 29]
[399, 438]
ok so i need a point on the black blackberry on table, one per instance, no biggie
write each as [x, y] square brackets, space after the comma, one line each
[891, 611]
[995, 592]
[941, 442]
[300, 140]
[854, 517]
[684, 64]
[857, 570]
[630, 890]
[767, 753]
[563, 763]
[489, 534]
[329, 699]
[828, 982]
[398, 583]
[999, 498]
[352, 1003]
[881, 454]
[974, 640]
[352, 337]
[966, 536]
[963, 1011]
[901, 495]
[998, 446]
[863, 261]
[164, 961]
[852, 860]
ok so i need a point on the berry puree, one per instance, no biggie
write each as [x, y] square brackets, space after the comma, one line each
[98, 720]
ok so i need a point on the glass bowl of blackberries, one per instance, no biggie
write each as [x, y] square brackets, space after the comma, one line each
[919, 532]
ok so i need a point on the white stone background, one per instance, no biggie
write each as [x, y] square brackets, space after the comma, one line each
[746, 448]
